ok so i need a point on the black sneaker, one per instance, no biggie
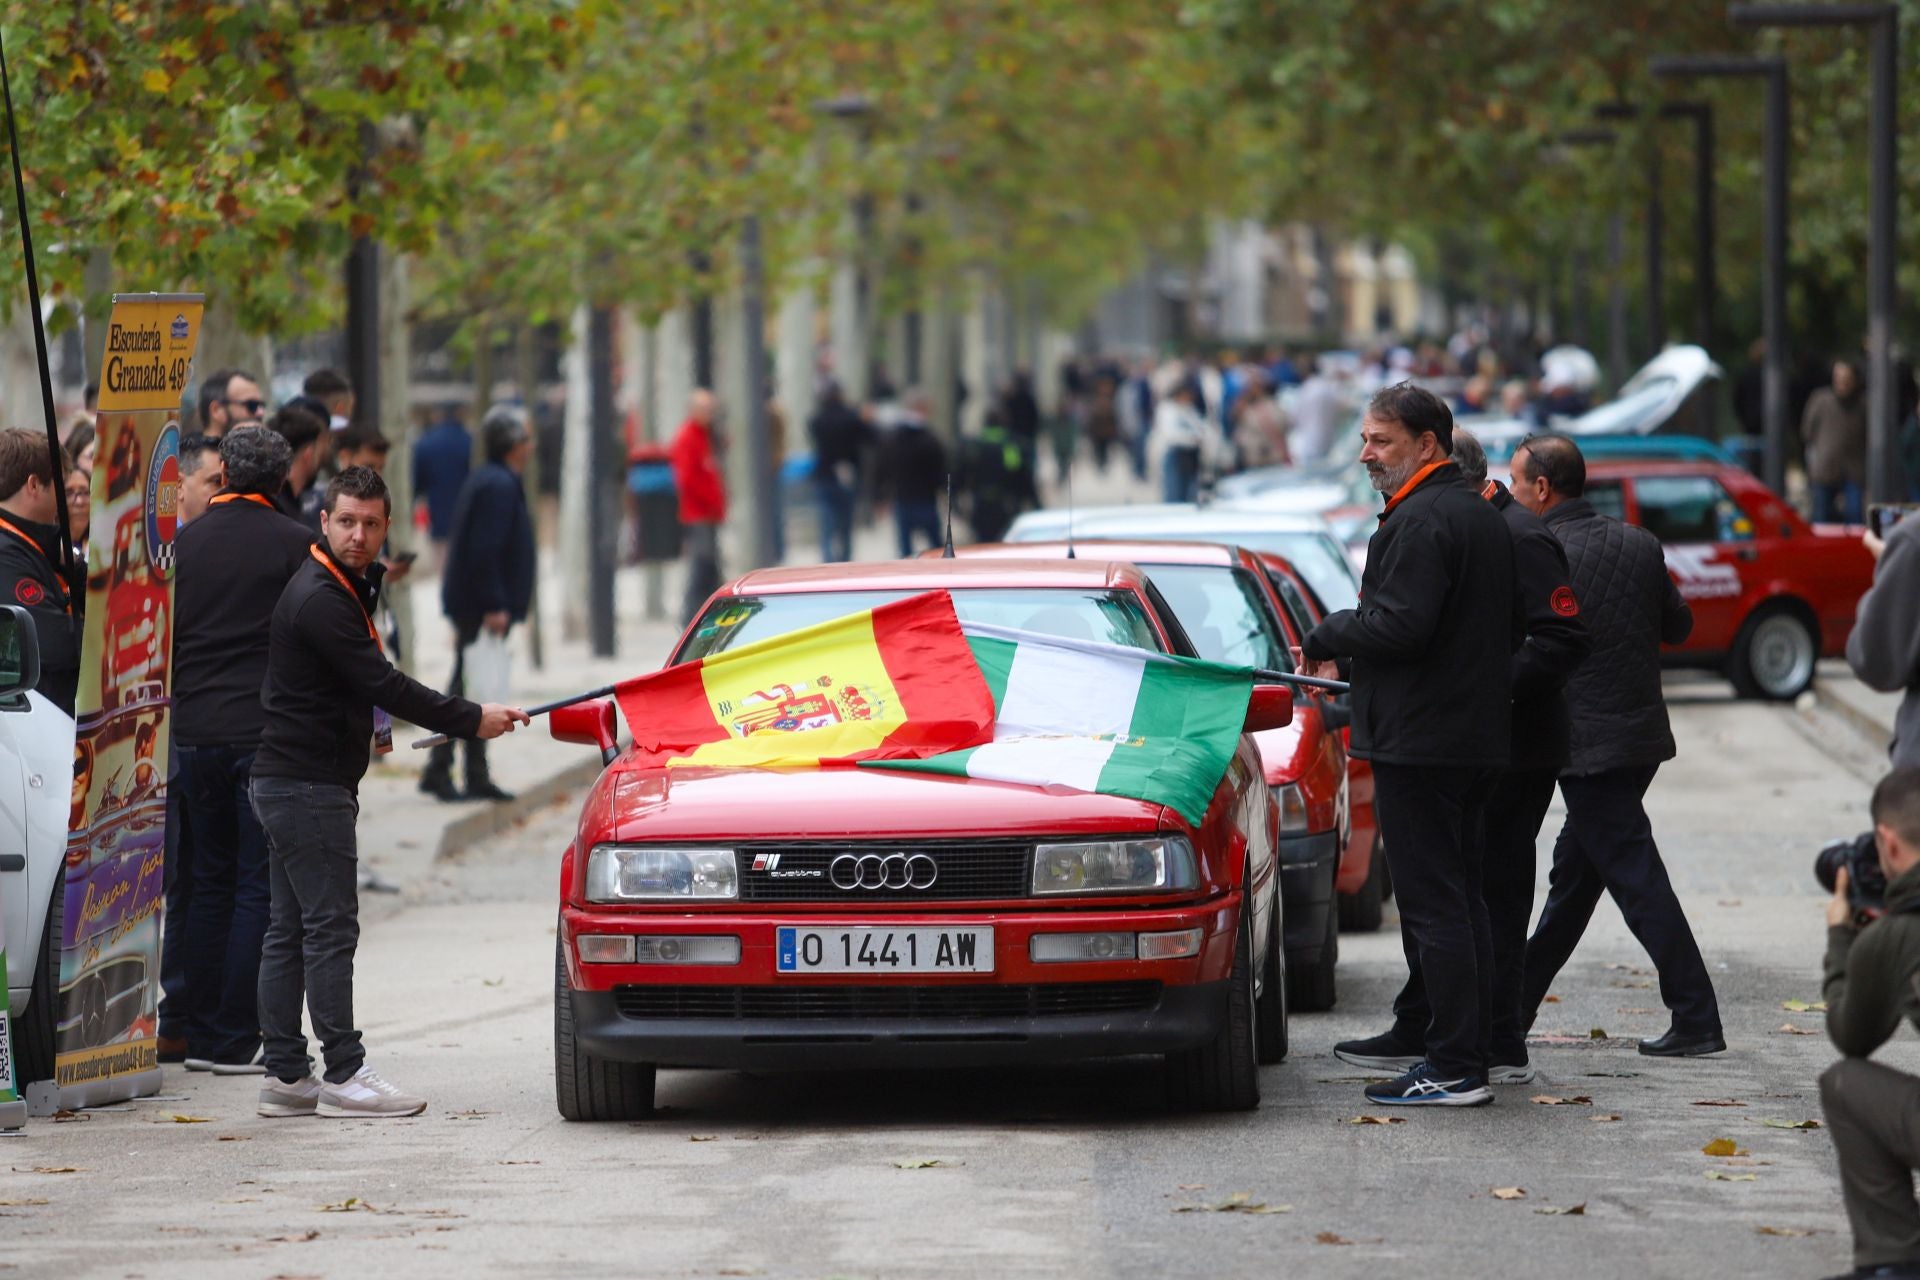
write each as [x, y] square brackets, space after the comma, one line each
[1381, 1053]
[1423, 1087]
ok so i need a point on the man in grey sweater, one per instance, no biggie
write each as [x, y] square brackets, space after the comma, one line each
[1884, 649]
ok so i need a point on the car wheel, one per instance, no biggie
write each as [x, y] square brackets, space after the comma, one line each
[1361, 910]
[586, 1087]
[1271, 1015]
[1223, 1074]
[1313, 985]
[1775, 653]
[35, 1035]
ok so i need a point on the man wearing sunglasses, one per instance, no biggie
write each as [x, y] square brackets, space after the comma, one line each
[229, 399]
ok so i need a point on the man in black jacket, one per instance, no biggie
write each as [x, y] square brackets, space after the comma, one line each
[1619, 738]
[30, 574]
[841, 441]
[1429, 651]
[234, 561]
[329, 691]
[487, 584]
[1556, 643]
[913, 473]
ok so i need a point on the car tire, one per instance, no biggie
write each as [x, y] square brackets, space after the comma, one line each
[1313, 984]
[586, 1087]
[1362, 910]
[1775, 654]
[36, 1036]
[1223, 1074]
[1271, 1021]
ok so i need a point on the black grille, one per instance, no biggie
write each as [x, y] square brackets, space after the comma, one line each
[799, 1004]
[967, 871]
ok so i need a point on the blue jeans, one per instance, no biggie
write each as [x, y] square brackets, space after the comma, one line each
[916, 517]
[315, 928]
[227, 912]
[1837, 503]
[1180, 473]
[836, 521]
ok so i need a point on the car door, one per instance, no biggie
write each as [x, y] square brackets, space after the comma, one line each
[1710, 545]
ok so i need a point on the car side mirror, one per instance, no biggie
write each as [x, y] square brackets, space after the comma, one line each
[19, 652]
[1337, 712]
[589, 724]
[1269, 707]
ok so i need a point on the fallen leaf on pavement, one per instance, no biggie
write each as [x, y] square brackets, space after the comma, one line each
[1772, 1123]
[1238, 1202]
[491, 982]
[1509, 1193]
[1549, 1100]
[1802, 1006]
[63, 1116]
[349, 1205]
[1792, 1232]
[1633, 986]
[516, 1162]
[1717, 1176]
[23, 1203]
[300, 1238]
[1193, 1186]
[920, 1164]
[1720, 1102]
[698, 1137]
[1598, 1033]
[180, 1119]
[1609, 1118]
[1788, 1029]
[1723, 1147]
[1378, 1120]
[1571, 1211]
[1551, 1000]
[52, 1168]
[233, 1137]
[1633, 969]
[1328, 1237]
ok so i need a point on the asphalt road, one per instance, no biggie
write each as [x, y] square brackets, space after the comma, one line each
[1069, 1173]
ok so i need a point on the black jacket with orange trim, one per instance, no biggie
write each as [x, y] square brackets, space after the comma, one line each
[30, 578]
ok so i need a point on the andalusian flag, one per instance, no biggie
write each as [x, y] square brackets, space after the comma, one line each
[894, 682]
[1099, 717]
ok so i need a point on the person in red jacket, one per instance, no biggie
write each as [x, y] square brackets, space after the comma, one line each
[703, 499]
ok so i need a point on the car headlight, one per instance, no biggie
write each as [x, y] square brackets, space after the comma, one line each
[1158, 865]
[1293, 809]
[648, 873]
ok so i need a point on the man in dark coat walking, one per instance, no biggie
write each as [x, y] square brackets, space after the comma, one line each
[1556, 644]
[1428, 648]
[487, 585]
[1620, 736]
[841, 441]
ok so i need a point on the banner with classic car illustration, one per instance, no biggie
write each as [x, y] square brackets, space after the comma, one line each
[110, 939]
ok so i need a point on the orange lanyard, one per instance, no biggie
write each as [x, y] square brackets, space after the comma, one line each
[244, 497]
[346, 586]
[1413, 482]
[66, 597]
[1492, 488]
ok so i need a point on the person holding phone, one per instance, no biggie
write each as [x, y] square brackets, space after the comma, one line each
[1884, 649]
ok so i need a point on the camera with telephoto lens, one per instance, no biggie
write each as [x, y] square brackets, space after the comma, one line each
[1866, 882]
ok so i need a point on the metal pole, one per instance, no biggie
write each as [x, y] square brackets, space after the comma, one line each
[603, 541]
[1885, 481]
[1773, 271]
[760, 461]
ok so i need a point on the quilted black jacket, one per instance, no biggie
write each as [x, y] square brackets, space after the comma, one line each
[1630, 606]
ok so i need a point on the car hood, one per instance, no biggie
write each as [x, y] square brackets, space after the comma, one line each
[706, 804]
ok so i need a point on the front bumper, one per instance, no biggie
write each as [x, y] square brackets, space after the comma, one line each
[749, 1016]
[1307, 866]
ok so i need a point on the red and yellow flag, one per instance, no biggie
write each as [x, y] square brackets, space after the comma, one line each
[896, 682]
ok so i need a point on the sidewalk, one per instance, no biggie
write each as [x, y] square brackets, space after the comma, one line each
[1868, 710]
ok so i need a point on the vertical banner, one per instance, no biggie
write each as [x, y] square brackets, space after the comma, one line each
[106, 1038]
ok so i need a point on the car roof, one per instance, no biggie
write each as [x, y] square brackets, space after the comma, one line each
[1139, 553]
[930, 575]
[1237, 513]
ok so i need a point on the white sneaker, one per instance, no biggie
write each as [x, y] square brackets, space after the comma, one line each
[279, 1100]
[367, 1095]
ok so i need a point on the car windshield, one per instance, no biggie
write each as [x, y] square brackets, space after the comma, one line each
[1316, 556]
[1219, 606]
[1110, 617]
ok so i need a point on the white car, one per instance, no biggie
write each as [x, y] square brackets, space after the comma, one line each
[36, 788]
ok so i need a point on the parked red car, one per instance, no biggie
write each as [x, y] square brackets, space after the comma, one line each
[1770, 593]
[696, 928]
[1233, 613]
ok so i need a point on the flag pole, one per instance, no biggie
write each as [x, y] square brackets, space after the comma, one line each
[604, 691]
[1311, 682]
[39, 324]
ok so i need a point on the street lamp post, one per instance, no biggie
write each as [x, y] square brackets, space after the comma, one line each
[1616, 259]
[1883, 20]
[1773, 264]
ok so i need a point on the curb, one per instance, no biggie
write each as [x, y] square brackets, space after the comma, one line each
[495, 818]
[1863, 722]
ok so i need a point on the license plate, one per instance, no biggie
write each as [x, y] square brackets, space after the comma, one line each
[853, 950]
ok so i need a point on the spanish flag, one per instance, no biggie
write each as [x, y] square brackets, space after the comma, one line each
[896, 682]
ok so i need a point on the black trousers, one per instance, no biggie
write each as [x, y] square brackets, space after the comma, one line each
[1429, 820]
[1873, 1113]
[440, 759]
[1509, 826]
[1607, 846]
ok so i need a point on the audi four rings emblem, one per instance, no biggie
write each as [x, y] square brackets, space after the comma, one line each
[883, 871]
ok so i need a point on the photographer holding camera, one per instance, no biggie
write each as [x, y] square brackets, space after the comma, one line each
[1872, 981]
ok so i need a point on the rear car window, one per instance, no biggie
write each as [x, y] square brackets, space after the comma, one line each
[1317, 557]
[1110, 617]
[1221, 608]
[1690, 509]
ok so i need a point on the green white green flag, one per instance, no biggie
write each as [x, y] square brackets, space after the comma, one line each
[1103, 718]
